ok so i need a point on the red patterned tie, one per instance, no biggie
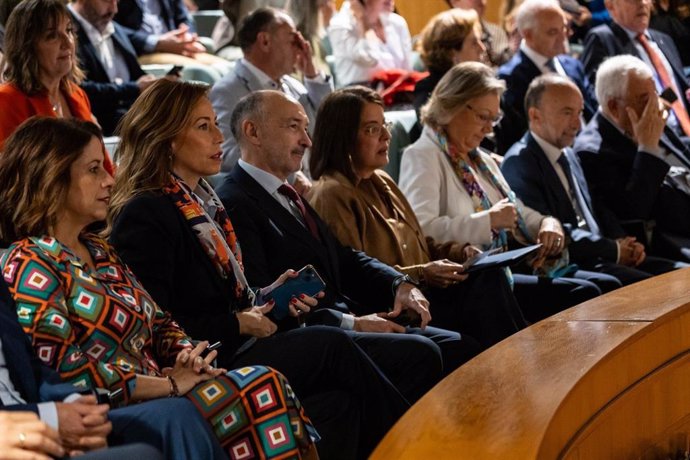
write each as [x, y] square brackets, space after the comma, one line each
[309, 221]
[667, 82]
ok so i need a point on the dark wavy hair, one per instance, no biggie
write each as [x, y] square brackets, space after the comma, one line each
[336, 128]
[27, 23]
[35, 173]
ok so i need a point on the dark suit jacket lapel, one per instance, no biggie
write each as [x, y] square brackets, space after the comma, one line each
[670, 56]
[287, 224]
[579, 177]
[556, 194]
[16, 349]
[89, 54]
[622, 36]
[529, 70]
[579, 79]
[125, 47]
[612, 136]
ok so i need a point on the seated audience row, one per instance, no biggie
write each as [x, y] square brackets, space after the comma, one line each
[385, 329]
[365, 209]
[190, 253]
[544, 172]
[92, 321]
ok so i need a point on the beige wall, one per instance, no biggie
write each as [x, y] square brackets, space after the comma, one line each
[418, 12]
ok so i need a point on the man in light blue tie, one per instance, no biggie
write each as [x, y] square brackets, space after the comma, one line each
[544, 172]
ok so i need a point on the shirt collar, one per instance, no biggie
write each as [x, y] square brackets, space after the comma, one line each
[267, 180]
[265, 81]
[95, 36]
[633, 35]
[552, 152]
[538, 59]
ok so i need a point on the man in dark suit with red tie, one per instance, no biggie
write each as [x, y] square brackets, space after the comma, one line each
[278, 230]
[544, 172]
[629, 33]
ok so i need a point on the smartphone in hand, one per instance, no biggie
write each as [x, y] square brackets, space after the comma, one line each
[307, 282]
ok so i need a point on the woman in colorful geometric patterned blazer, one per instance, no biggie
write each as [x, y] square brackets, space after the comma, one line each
[90, 319]
[172, 230]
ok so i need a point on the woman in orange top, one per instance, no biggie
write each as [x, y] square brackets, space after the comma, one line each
[41, 74]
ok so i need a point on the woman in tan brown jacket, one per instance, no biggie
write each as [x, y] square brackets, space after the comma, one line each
[366, 210]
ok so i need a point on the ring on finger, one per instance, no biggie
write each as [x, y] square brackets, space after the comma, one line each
[22, 439]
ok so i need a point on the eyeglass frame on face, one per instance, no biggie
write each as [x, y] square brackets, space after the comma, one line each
[486, 119]
[375, 130]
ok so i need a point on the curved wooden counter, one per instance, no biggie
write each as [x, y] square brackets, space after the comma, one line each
[609, 378]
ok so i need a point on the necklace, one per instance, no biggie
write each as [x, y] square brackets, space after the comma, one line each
[56, 106]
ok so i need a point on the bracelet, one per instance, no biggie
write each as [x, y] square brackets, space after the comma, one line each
[174, 391]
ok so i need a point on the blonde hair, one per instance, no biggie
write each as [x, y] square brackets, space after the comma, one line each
[443, 34]
[462, 83]
[146, 135]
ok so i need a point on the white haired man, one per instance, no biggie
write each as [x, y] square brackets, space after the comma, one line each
[632, 165]
[543, 26]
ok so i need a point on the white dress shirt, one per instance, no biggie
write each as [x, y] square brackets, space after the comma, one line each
[111, 58]
[47, 411]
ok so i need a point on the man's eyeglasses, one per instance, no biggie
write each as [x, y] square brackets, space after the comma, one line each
[486, 119]
[375, 130]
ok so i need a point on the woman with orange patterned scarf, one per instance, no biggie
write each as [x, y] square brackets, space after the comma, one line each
[89, 317]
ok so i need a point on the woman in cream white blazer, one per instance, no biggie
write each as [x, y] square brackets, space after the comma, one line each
[458, 192]
[365, 209]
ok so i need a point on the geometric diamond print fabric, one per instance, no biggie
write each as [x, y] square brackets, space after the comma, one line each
[94, 326]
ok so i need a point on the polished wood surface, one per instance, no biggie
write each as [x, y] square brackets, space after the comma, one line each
[609, 378]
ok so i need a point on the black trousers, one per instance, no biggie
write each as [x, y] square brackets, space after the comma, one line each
[650, 267]
[541, 297]
[482, 307]
[351, 402]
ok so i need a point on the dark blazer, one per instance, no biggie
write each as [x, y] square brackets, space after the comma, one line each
[518, 73]
[34, 381]
[109, 101]
[273, 240]
[532, 177]
[130, 14]
[619, 176]
[611, 40]
[154, 240]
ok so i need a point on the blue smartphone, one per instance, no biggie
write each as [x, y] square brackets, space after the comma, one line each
[307, 282]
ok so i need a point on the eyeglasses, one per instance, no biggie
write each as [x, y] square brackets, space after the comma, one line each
[486, 119]
[376, 130]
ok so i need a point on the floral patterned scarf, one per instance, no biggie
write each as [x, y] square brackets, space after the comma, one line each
[216, 235]
[499, 238]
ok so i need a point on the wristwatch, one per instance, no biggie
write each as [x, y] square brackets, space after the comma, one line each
[403, 279]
